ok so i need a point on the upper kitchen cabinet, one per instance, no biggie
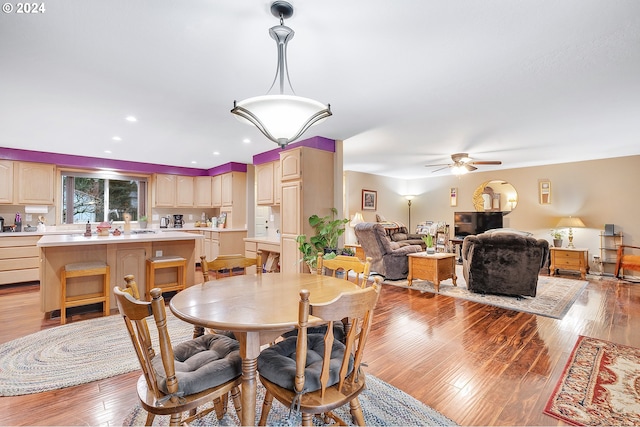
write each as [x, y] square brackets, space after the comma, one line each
[268, 188]
[203, 197]
[184, 192]
[6, 181]
[234, 198]
[216, 191]
[34, 183]
[164, 190]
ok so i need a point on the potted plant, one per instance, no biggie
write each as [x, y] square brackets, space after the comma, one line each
[309, 253]
[328, 230]
[428, 240]
[142, 222]
[557, 238]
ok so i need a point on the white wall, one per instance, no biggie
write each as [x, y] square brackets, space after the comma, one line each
[598, 191]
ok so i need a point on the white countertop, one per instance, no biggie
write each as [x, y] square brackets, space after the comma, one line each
[50, 240]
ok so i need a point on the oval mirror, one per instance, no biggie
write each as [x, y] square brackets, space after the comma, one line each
[495, 196]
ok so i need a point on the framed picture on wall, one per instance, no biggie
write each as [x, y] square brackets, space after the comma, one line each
[369, 200]
[544, 190]
[453, 196]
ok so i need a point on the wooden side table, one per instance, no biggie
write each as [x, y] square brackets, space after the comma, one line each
[433, 267]
[572, 259]
[358, 250]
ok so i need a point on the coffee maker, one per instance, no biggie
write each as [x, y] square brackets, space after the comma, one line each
[178, 222]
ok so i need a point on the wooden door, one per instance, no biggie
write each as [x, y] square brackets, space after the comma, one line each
[6, 181]
[35, 183]
[184, 191]
[202, 194]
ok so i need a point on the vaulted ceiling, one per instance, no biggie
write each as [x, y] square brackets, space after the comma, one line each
[409, 82]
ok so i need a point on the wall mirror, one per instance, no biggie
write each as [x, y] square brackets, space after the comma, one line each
[495, 196]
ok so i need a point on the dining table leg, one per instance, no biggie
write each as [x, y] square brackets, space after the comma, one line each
[249, 351]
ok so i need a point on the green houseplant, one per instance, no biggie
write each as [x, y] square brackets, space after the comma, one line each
[328, 231]
[142, 222]
[557, 237]
[309, 252]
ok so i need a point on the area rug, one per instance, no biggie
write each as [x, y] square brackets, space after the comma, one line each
[75, 353]
[382, 405]
[600, 385]
[554, 295]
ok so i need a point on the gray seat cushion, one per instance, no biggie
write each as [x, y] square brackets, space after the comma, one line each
[278, 362]
[202, 363]
[338, 331]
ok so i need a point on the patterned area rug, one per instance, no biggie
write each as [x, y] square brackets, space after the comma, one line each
[599, 386]
[382, 405]
[75, 353]
[554, 296]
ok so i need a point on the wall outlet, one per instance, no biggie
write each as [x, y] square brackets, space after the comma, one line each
[28, 217]
[190, 217]
[158, 253]
[271, 218]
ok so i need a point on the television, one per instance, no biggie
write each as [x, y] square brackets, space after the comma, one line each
[469, 223]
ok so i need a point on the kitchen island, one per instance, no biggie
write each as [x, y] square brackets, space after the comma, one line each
[125, 254]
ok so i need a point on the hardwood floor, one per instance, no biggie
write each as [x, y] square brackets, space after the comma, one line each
[478, 365]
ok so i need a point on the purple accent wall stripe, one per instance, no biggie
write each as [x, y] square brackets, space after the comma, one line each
[70, 160]
[319, 142]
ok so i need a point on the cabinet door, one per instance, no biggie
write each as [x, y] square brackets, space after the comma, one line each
[277, 186]
[35, 183]
[264, 184]
[290, 209]
[202, 192]
[6, 181]
[291, 164]
[131, 261]
[165, 190]
[184, 191]
[290, 256]
[227, 189]
[216, 191]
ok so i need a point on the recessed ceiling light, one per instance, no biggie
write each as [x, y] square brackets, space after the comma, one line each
[131, 119]
[117, 138]
[193, 162]
[107, 151]
[246, 140]
[216, 153]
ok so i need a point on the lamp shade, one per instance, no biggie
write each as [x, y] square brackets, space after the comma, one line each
[357, 219]
[571, 222]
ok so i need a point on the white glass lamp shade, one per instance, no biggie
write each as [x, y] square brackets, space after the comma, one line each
[281, 118]
[357, 219]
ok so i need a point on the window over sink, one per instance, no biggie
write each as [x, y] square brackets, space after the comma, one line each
[97, 197]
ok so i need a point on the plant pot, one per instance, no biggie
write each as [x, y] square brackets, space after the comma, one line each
[142, 224]
[557, 243]
[431, 250]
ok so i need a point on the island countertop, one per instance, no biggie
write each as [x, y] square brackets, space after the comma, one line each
[53, 240]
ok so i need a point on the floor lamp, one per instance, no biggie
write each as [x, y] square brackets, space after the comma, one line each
[409, 198]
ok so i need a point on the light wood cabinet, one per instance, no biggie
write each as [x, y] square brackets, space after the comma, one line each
[19, 259]
[277, 183]
[184, 191]
[234, 199]
[307, 189]
[202, 194]
[223, 243]
[216, 191]
[571, 259]
[264, 184]
[164, 194]
[6, 181]
[34, 183]
[132, 261]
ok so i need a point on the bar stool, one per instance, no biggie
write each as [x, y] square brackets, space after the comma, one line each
[84, 269]
[163, 262]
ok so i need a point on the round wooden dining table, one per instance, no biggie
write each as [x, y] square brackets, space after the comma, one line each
[258, 308]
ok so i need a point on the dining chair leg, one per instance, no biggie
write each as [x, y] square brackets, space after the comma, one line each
[266, 407]
[219, 405]
[356, 412]
[150, 418]
[176, 419]
[307, 419]
[237, 401]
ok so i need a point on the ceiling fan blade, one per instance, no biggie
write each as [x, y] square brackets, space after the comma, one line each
[436, 165]
[447, 166]
[469, 167]
[485, 162]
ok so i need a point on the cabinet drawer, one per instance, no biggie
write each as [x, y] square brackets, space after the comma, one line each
[250, 246]
[567, 255]
[269, 247]
[17, 276]
[12, 242]
[19, 252]
[18, 264]
[567, 262]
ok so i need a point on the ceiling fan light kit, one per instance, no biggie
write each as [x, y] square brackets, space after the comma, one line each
[462, 164]
[280, 117]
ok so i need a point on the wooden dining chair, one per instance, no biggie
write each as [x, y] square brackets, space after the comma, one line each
[346, 264]
[228, 263]
[178, 379]
[315, 373]
[628, 258]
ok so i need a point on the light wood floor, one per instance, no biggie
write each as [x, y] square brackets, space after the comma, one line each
[477, 364]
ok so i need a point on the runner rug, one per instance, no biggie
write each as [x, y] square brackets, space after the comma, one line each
[75, 353]
[382, 405]
[554, 295]
[600, 385]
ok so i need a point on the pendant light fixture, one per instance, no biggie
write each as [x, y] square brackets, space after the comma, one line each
[280, 117]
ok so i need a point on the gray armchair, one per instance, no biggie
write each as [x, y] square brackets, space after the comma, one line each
[502, 262]
[387, 258]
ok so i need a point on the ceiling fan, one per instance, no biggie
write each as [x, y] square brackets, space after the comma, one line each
[462, 164]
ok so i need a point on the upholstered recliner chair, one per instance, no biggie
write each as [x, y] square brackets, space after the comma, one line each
[387, 258]
[503, 262]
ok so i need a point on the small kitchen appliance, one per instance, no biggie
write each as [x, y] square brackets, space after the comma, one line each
[165, 221]
[178, 222]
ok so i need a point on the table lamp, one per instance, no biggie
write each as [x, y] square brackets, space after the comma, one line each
[357, 219]
[571, 222]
